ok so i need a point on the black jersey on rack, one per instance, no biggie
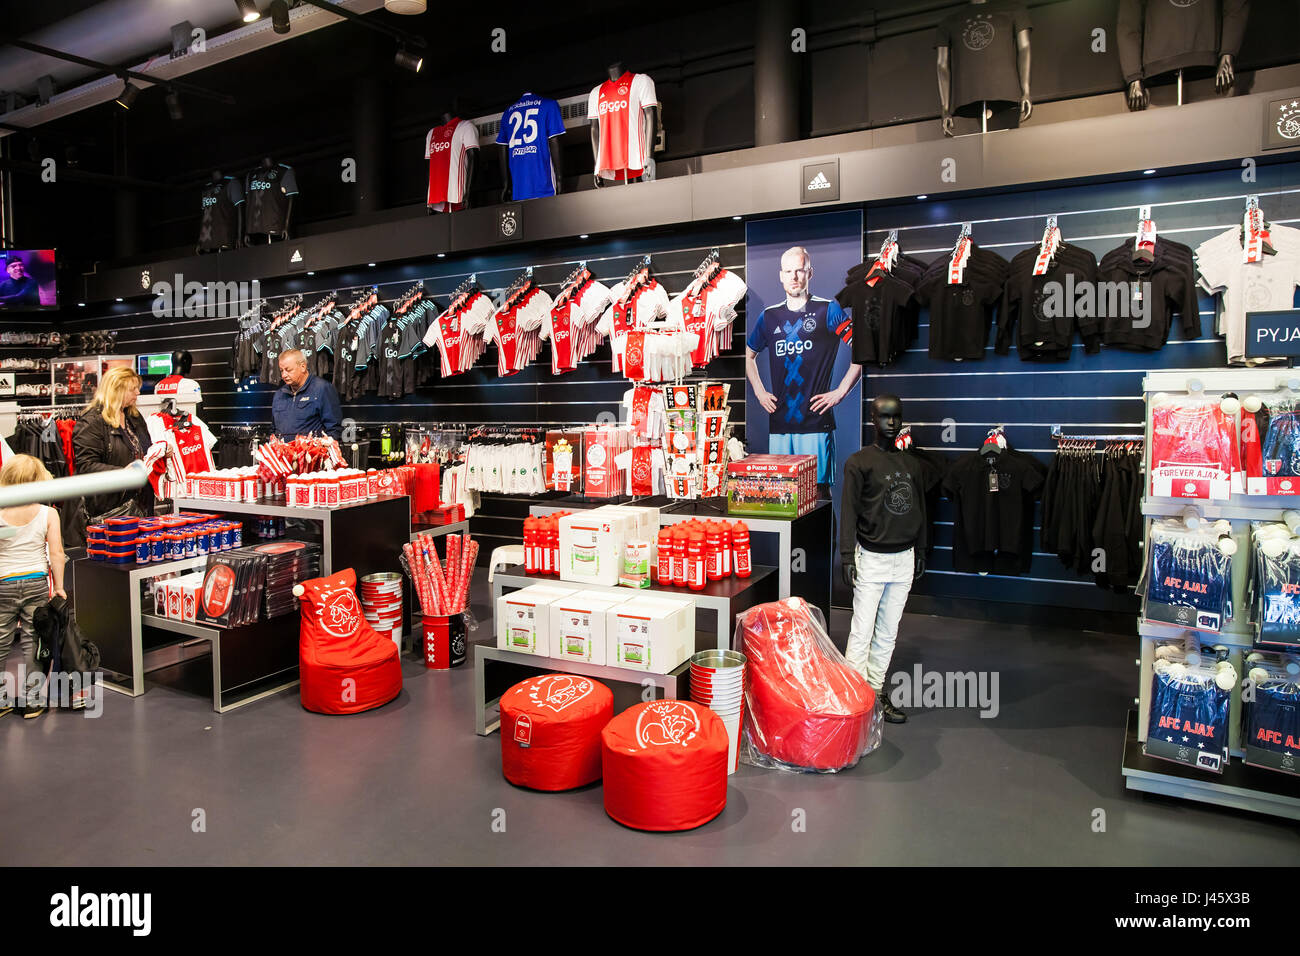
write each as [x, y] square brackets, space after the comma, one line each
[267, 191]
[219, 224]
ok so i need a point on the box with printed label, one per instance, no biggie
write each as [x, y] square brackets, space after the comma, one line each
[578, 625]
[591, 546]
[654, 634]
[524, 619]
[644, 522]
[774, 486]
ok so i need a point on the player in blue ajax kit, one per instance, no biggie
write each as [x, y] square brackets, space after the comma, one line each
[527, 129]
[803, 336]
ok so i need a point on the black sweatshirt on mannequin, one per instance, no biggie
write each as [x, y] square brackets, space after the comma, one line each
[1160, 36]
[883, 501]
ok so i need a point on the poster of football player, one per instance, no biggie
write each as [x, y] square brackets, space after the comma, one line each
[803, 395]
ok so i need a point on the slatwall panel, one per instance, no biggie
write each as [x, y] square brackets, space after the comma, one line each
[1089, 394]
[532, 396]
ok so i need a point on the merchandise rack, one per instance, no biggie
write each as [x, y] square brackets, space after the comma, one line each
[1239, 786]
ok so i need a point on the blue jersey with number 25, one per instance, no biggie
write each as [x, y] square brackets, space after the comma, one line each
[527, 128]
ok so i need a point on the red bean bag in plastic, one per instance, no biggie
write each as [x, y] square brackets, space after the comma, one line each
[665, 765]
[344, 665]
[550, 731]
[805, 707]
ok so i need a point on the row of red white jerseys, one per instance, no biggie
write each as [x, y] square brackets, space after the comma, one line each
[654, 337]
[181, 447]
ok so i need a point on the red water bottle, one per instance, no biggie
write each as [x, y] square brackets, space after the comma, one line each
[740, 549]
[695, 560]
[679, 557]
[724, 548]
[555, 546]
[530, 545]
[664, 564]
[544, 547]
[713, 563]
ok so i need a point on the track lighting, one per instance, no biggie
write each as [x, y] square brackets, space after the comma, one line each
[248, 11]
[407, 60]
[126, 99]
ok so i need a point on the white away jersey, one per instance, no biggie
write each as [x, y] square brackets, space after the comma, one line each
[617, 104]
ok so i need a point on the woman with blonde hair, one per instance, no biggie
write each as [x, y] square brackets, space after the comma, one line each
[31, 560]
[111, 433]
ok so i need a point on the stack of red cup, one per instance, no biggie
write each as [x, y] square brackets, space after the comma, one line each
[718, 682]
[381, 602]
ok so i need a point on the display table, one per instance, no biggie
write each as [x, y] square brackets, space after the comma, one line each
[807, 542]
[366, 536]
[497, 670]
[725, 598]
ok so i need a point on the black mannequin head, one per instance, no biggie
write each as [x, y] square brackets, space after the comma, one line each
[216, 175]
[446, 118]
[887, 417]
[615, 69]
[266, 162]
[182, 362]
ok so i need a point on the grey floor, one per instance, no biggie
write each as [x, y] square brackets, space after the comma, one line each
[411, 783]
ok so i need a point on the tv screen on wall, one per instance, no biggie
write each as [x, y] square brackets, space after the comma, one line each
[27, 280]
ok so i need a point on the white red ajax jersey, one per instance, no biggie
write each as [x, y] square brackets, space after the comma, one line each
[447, 150]
[617, 105]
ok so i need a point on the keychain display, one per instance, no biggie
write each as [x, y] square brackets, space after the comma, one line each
[1189, 578]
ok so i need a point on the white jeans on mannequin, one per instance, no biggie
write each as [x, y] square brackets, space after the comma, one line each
[879, 593]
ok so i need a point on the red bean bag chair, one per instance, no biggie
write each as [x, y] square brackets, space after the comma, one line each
[550, 731]
[344, 665]
[665, 765]
[805, 707]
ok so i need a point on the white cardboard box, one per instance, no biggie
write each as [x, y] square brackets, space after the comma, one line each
[645, 521]
[579, 624]
[651, 633]
[524, 619]
[591, 546]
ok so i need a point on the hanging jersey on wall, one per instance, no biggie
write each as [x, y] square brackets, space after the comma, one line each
[617, 106]
[267, 191]
[447, 149]
[527, 129]
[219, 225]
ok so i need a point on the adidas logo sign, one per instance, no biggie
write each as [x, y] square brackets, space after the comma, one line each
[820, 182]
[296, 257]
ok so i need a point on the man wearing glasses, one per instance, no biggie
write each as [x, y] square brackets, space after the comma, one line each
[802, 336]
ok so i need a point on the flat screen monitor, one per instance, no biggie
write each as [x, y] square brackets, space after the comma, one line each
[27, 280]
[157, 365]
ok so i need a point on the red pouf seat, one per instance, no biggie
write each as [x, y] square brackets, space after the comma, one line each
[665, 765]
[805, 707]
[550, 731]
[344, 665]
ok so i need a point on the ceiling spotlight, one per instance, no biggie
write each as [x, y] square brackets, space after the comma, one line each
[923, 196]
[311, 273]
[408, 60]
[119, 298]
[248, 10]
[279, 16]
[736, 218]
[407, 8]
[442, 255]
[81, 305]
[371, 264]
[126, 99]
[174, 109]
[584, 236]
[1148, 172]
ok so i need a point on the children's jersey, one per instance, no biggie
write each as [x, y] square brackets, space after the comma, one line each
[1273, 720]
[527, 129]
[802, 347]
[1194, 434]
[1189, 721]
[447, 149]
[616, 105]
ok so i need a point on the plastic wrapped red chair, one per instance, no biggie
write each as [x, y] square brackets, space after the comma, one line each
[665, 765]
[806, 709]
[344, 665]
[550, 731]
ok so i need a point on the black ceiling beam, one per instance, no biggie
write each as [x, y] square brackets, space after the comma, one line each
[400, 35]
[178, 86]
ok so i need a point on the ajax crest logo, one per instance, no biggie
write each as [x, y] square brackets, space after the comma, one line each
[509, 224]
[667, 723]
[978, 34]
[559, 691]
[810, 325]
[144, 279]
[1288, 123]
[338, 612]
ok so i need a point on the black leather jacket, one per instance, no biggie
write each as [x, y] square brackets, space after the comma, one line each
[98, 446]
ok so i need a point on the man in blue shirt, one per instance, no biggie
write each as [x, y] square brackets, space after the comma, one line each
[305, 404]
[803, 336]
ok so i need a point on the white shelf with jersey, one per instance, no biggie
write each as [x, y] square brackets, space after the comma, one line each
[1239, 786]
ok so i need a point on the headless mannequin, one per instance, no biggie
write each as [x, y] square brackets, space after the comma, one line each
[288, 213]
[1139, 97]
[943, 70]
[649, 116]
[239, 216]
[557, 164]
[471, 155]
[887, 489]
